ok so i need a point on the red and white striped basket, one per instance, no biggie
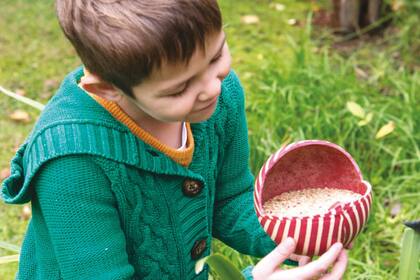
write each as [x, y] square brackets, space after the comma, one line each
[313, 164]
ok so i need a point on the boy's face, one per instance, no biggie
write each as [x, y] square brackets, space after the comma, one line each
[179, 92]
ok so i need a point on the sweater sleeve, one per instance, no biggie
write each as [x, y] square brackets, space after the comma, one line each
[235, 220]
[75, 203]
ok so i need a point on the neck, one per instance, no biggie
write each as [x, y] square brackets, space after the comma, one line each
[168, 133]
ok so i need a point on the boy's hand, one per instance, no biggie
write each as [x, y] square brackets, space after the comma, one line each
[267, 268]
[301, 259]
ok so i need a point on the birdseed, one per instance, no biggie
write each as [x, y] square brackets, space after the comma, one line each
[307, 202]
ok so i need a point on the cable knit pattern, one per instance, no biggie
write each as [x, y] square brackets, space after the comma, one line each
[107, 205]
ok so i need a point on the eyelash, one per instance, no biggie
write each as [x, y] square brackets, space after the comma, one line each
[181, 92]
[216, 58]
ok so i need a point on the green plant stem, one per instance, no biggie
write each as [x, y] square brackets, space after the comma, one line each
[9, 259]
[23, 99]
[410, 251]
[220, 265]
[9, 247]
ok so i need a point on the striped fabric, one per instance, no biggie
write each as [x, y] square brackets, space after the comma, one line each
[315, 234]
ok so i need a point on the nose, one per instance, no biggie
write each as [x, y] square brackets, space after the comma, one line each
[211, 90]
[225, 69]
[213, 84]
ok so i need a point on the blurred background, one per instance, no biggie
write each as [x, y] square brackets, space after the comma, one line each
[340, 70]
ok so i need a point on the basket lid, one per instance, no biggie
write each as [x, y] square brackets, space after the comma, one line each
[309, 164]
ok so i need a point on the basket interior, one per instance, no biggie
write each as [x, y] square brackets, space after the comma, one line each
[312, 166]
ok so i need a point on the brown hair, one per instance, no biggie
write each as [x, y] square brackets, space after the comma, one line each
[123, 41]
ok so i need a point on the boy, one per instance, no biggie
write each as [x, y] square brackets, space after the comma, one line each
[142, 156]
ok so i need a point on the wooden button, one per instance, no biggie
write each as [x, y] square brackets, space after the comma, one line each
[191, 187]
[198, 248]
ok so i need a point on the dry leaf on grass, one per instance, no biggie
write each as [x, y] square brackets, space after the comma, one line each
[4, 173]
[46, 95]
[292, 21]
[315, 8]
[385, 130]
[250, 19]
[50, 84]
[16, 146]
[26, 212]
[360, 73]
[356, 109]
[366, 120]
[396, 209]
[20, 116]
[397, 5]
[279, 7]
[20, 92]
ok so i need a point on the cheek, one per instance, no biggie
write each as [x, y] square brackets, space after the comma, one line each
[176, 109]
[225, 67]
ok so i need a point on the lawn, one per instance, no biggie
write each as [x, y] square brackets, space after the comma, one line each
[298, 82]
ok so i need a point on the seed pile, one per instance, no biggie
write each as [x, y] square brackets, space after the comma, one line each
[307, 202]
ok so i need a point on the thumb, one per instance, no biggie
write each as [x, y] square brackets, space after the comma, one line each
[269, 263]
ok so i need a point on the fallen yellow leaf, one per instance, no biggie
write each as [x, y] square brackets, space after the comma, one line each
[51, 84]
[366, 120]
[385, 130]
[360, 73]
[250, 19]
[26, 212]
[20, 116]
[279, 7]
[356, 109]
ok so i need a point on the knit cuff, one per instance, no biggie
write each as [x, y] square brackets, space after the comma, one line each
[247, 272]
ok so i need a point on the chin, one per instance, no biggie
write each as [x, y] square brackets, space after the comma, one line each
[203, 116]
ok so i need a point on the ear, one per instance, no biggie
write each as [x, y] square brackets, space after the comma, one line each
[95, 85]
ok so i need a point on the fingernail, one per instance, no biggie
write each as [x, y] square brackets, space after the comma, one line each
[289, 242]
[338, 245]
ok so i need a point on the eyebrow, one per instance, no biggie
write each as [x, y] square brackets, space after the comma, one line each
[174, 87]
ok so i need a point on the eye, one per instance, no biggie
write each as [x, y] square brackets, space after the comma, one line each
[179, 93]
[217, 58]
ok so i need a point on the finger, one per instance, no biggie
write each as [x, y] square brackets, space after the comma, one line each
[339, 267]
[320, 266]
[350, 245]
[285, 275]
[301, 259]
[269, 263]
[304, 260]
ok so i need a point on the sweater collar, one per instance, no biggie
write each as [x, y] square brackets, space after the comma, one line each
[81, 126]
[81, 115]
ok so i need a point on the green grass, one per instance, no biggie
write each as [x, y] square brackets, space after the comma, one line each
[297, 86]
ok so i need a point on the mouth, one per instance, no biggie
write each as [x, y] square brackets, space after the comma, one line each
[213, 102]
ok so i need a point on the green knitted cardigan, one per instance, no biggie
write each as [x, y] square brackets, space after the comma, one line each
[108, 206]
